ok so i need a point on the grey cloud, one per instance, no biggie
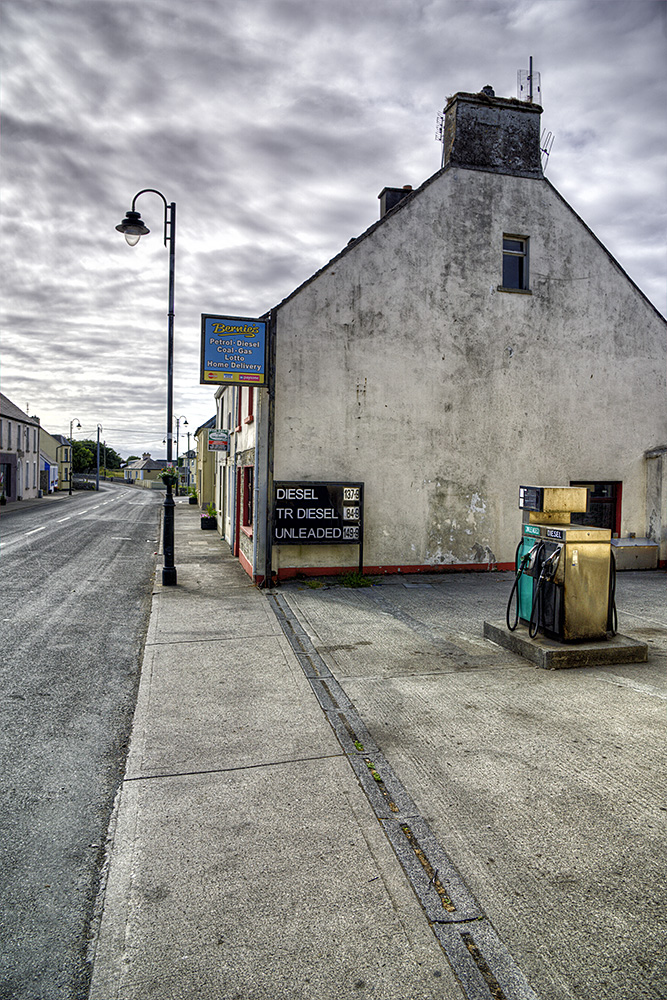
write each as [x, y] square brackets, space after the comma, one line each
[273, 125]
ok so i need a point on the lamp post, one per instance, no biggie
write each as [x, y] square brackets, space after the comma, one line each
[97, 480]
[71, 450]
[133, 228]
[185, 424]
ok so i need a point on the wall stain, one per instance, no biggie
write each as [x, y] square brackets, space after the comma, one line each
[457, 514]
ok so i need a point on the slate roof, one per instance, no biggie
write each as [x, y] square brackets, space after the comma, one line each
[12, 412]
[147, 464]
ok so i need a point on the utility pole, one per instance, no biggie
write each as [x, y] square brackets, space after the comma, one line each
[97, 480]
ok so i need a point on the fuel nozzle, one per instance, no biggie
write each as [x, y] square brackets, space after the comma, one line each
[551, 564]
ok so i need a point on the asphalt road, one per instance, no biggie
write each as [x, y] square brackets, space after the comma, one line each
[76, 585]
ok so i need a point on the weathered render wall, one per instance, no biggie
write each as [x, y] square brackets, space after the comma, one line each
[401, 364]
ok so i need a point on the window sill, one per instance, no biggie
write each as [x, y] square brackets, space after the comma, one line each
[249, 419]
[514, 291]
[247, 530]
[238, 427]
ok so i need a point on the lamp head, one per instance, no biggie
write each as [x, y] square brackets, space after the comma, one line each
[132, 228]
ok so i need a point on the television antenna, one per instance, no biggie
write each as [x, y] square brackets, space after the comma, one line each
[546, 142]
[528, 85]
[440, 133]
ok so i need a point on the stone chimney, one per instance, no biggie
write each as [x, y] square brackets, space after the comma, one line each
[146, 455]
[485, 132]
[390, 197]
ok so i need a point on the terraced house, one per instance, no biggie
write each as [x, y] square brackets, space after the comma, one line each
[19, 452]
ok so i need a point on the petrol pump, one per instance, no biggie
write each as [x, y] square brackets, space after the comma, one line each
[565, 573]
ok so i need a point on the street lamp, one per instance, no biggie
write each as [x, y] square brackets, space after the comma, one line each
[71, 450]
[133, 228]
[185, 424]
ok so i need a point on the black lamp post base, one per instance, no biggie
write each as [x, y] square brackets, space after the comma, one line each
[168, 568]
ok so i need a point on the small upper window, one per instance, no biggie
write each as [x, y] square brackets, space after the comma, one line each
[515, 262]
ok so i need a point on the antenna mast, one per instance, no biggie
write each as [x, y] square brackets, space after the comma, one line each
[528, 85]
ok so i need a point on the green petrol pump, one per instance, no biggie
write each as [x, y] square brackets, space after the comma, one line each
[565, 576]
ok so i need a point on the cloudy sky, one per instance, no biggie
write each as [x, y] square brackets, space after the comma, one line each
[273, 125]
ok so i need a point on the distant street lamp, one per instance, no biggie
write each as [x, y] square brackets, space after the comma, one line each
[133, 228]
[185, 424]
[71, 450]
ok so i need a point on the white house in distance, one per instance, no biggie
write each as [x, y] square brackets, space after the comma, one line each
[478, 337]
[144, 470]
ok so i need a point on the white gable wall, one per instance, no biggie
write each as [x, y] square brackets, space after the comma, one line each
[402, 365]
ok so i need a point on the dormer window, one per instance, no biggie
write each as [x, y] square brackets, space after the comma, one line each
[515, 263]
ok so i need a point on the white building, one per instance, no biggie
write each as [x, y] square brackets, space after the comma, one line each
[19, 452]
[477, 338]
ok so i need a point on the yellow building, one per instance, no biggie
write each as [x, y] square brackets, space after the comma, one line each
[205, 464]
[49, 466]
[64, 460]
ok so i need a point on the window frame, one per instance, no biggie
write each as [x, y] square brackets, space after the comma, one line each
[250, 416]
[522, 255]
[239, 407]
[247, 499]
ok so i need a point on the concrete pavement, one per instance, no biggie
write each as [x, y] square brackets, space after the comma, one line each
[342, 793]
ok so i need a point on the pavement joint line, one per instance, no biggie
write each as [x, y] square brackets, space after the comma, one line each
[217, 638]
[482, 964]
[227, 770]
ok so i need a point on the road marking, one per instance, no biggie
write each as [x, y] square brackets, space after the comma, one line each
[60, 520]
[34, 530]
[654, 621]
[648, 689]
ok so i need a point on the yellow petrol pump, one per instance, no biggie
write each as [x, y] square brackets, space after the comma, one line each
[565, 573]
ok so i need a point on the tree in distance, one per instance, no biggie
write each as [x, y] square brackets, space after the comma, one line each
[85, 456]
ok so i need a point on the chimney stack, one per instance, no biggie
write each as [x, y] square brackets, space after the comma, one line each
[498, 134]
[390, 197]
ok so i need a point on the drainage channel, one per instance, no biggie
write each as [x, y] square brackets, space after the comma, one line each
[479, 959]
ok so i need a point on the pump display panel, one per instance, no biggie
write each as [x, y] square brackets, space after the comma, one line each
[531, 498]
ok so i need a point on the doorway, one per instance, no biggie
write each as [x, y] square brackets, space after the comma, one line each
[604, 506]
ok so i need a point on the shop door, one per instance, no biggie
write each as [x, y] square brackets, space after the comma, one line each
[604, 507]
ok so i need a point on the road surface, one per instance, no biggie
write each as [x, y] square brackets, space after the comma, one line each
[77, 576]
